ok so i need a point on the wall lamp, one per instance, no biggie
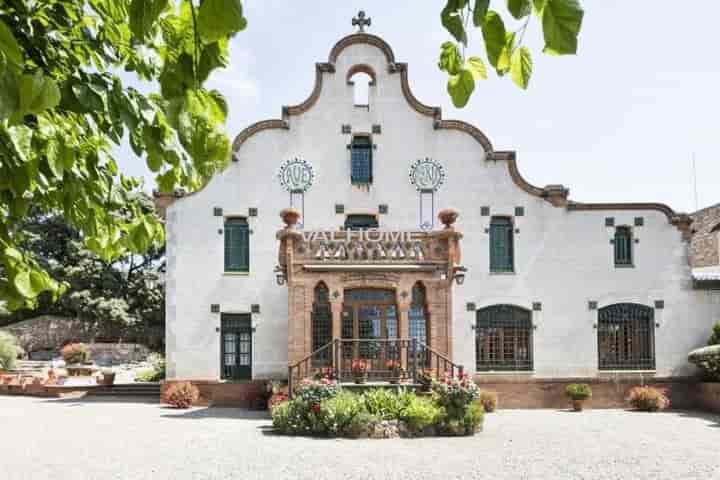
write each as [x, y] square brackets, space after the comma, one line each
[459, 275]
[280, 276]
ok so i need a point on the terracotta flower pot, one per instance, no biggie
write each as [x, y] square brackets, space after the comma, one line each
[448, 216]
[290, 216]
[360, 378]
[578, 404]
[108, 379]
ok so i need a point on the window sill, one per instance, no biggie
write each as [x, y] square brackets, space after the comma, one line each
[504, 372]
[236, 274]
[500, 272]
[624, 266]
[615, 372]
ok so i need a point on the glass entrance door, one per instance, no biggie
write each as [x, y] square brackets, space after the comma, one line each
[369, 323]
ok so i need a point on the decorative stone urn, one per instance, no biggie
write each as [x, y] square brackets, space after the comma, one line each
[290, 216]
[448, 216]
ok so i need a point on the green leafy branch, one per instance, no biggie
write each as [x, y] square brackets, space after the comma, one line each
[63, 106]
[561, 21]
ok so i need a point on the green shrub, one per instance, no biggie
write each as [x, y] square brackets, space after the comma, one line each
[360, 424]
[715, 335]
[473, 418]
[488, 400]
[420, 413]
[154, 374]
[707, 359]
[338, 413]
[9, 350]
[578, 391]
[315, 391]
[386, 404]
[290, 418]
[648, 399]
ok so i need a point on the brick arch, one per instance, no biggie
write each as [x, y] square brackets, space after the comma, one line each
[361, 68]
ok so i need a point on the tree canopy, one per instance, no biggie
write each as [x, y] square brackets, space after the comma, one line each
[504, 50]
[63, 106]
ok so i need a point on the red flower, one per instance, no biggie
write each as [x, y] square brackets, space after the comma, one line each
[315, 408]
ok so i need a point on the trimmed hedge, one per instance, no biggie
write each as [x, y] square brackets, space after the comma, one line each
[707, 360]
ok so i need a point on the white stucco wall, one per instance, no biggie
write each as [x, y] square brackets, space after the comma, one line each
[563, 258]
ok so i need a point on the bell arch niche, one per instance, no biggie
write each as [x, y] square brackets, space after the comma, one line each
[361, 78]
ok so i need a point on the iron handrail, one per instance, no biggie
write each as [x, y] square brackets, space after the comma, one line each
[413, 354]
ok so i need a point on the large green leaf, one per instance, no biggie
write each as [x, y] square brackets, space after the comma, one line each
[477, 68]
[9, 94]
[521, 67]
[561, 21]
[493, 30]
[10, 47]
[143, 15]
[460, 87]
[219, 18]
[479, 11]
[38, 93]
[212, 56]
[450, 58]
[90, 98]
[451, 20]
[55, 161]
[519, 8]
[21, 140]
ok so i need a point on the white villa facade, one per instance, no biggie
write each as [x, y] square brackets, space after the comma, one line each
[545, 288]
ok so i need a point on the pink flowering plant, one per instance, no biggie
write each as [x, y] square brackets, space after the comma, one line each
[455, 393]
[315, 391]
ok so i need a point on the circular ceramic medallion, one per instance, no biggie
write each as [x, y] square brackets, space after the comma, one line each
[427, 174]
[296, 175]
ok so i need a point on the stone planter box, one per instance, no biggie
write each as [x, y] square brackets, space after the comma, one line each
[708, 397]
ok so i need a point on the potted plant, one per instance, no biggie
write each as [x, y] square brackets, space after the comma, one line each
[396, 371]
[108, 377]
[578, 393]
[359, 369]
[425, 379]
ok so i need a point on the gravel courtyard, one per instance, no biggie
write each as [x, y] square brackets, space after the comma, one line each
[119, 439]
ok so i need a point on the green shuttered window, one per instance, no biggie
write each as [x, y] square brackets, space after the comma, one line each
[237, 245]
[623, 247]
[361, 170]
[501, 245]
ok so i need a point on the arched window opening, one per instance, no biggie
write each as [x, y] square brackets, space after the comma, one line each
[503, 339]
[626, 337]
[321, 325]
[361, 82]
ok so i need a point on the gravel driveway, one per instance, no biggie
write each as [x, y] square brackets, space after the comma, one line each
[118, 439]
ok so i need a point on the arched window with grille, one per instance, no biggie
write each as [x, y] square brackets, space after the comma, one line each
[361, 161]
[623, 242]
[418, 318]
[321, 325]
[626, 337]
[503, 338]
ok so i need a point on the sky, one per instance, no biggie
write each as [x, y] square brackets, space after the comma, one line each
[619, 122]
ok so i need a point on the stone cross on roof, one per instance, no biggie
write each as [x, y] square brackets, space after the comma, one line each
[360, 21]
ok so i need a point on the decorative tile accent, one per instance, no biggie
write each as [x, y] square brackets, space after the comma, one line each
[639, 221]
[214, 308]
[537, 306]
[217, 212]
[487, 230]
[336, 294]
[517, 230]
[519, 211]
[659, 304]
[609, 221]
[376, 129]
[254, 308]
[346, 129]
[470, 306]
[612, 241]
[404, 294]
[252, 212]
[592, 305]
[637, 240]
[220, 231]
[485, 211]
[383, 209]
[339, 208]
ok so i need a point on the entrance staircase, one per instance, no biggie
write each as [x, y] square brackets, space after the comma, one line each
[140, 389]
[387, 361]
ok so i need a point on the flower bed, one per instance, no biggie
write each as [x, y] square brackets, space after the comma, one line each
[707, 360]
[322, 408]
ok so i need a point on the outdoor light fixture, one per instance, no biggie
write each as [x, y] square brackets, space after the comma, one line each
[459, 275]
[280, 276]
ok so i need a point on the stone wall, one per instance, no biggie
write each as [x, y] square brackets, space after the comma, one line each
[705, 248]
[49, 332]
[218, 394]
